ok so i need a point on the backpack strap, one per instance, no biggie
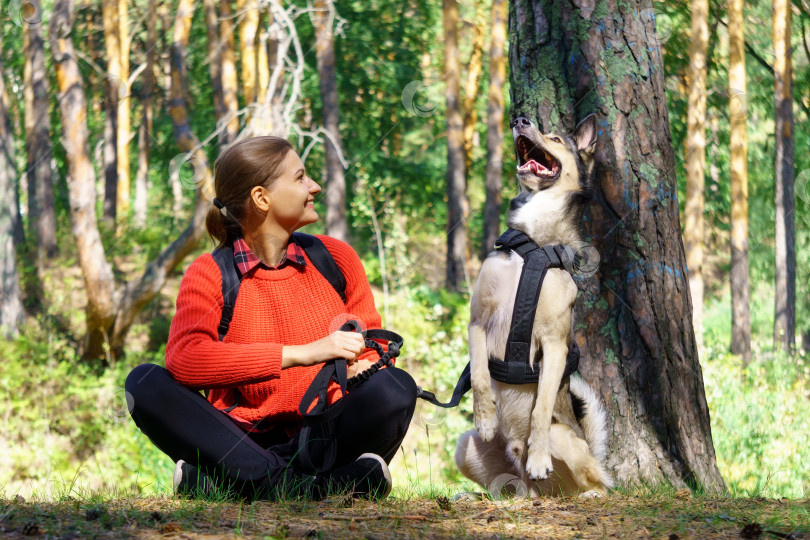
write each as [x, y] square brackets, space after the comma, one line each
[230, 286]
[323, 261]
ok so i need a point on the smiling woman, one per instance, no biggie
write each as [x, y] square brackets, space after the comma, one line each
[285, 323]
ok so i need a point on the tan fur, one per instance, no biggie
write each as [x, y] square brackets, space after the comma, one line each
[516, 434]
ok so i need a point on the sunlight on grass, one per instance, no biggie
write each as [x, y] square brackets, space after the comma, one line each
[67, 433]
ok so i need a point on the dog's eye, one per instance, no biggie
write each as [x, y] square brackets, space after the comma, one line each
[556, 139]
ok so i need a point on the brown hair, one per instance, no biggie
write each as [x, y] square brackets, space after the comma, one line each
[241, 167]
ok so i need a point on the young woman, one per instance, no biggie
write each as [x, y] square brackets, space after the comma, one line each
[285, 324]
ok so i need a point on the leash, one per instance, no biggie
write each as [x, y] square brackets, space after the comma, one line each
[318, 415]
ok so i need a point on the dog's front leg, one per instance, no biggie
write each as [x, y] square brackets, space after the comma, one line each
[538, 464]
[486, 416]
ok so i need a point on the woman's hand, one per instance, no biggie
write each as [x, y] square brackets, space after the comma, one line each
[359, 367]
[348, 345]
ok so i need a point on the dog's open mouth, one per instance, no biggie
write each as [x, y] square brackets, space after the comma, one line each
[535, 160]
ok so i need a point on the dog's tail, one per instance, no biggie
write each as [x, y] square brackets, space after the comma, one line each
[592, 417]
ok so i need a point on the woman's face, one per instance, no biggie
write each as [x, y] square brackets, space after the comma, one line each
[292, 195]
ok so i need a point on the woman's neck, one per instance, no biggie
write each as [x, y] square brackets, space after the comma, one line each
[268, 243]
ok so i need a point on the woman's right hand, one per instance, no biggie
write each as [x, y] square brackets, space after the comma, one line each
[348, 345]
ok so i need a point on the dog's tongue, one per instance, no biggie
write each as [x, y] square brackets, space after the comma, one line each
[536, 167]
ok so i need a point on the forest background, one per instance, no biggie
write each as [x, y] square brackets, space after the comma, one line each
[65, 420]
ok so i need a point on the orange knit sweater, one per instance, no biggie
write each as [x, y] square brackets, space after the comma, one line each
[286, 306]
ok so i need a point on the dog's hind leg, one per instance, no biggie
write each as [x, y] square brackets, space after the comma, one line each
[484, 462]
[578, 469]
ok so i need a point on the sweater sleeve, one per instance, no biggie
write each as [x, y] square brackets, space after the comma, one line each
[359, 298]
[194, 354]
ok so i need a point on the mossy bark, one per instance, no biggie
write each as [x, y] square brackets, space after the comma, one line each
[633, 316]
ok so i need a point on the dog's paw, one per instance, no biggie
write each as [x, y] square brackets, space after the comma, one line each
[592, 494]
[487, 426]
[486, 422]
[539, 465]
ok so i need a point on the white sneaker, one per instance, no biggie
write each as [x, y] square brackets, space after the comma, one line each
[367, 477]
[189, 480]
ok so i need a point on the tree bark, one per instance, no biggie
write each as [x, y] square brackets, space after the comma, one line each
[740, 313]
[784, 331]
[323, 18]
[41, 211]
[229, 78]
[471, 84]
[215, 58]
[495, 107]
[456, 175]
[262, 65]
[633, 317]
[12, 315]
[248, 26]
[112, 46]
[696, 160]
[145, 129]
[122, 138]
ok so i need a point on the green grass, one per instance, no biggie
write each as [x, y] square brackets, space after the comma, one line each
[760, 415]
[66, 431]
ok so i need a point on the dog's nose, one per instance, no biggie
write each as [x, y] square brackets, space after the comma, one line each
[521, 121]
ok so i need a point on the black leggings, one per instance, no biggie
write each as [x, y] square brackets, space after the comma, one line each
[184, 425]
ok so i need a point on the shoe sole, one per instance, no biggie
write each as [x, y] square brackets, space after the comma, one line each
[178, 475]
[386, 472]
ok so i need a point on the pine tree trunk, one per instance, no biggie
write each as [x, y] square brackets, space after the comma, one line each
[12, 315]
[740, 313]
[41, 211]
[497, 75]
[145, 129]
[97, 272]
[785, 293]
[696, 160]
[248, 26]
[122, 117]
[323, 17]
[262, 65]
[112, 46]
[633, 318]
[471, 84]
[229, 78]
[456, 175]
[215, 60]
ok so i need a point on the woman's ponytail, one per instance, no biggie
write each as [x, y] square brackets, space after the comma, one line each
[215, 225]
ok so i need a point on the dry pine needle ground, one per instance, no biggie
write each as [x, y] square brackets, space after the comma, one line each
[669, 516]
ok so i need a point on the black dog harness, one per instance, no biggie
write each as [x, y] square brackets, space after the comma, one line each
[517, 367]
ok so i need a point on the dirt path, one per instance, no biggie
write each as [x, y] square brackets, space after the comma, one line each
[615, 516]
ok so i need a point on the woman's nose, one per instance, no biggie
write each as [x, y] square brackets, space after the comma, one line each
[313, 186]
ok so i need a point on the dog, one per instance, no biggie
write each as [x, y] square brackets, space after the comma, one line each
[550, 437]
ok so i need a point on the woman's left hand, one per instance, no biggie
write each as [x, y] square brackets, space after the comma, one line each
[358, 366]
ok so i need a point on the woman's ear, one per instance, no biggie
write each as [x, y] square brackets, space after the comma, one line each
[260, 198]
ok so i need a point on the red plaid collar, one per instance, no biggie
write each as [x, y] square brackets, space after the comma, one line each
[246, 260]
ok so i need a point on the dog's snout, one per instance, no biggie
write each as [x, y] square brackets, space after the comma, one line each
[521, 121]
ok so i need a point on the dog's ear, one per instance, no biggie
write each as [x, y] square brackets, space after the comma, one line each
[586, 133]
